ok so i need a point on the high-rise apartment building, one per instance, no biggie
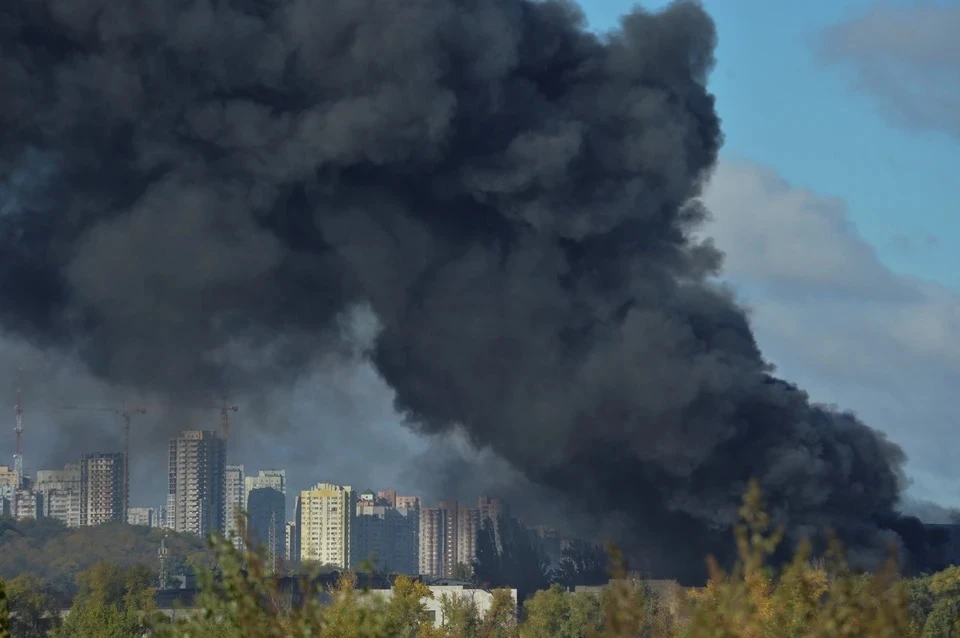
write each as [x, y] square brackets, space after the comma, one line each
[492, 509]
[197, 482]
[468, 529]
[234, 502]
[448, 538]
[101, 488]
[433, 525]
[59, 492]
[386, 535]
[327, 514]
[266, 513]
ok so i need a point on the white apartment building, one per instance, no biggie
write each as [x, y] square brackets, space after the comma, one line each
[60, 494]
[327, 514]
[234, 502]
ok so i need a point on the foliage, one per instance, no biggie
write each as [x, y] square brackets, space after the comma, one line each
[113, 602]
[4, 613]
[807, 598]
[53, 553]
[33, 606]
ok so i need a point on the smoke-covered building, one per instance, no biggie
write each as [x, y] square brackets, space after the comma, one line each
[266, 514]
[197, 482]
[387, 535]
[101, 488]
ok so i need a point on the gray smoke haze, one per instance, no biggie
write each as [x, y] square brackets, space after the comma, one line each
[196, 191]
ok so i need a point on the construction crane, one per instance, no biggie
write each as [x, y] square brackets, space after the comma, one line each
[225, 411]
[124, 412]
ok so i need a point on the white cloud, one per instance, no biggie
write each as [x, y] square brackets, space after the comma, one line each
[835, 319]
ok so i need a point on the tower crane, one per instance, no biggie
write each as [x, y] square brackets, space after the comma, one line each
[225, 409]
[125, 412]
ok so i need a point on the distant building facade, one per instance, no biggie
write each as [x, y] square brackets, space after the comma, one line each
[266, 513]
[101, 488]
[407, 502]
[197, 482]
[143, 516]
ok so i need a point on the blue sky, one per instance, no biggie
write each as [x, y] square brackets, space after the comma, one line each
[836, 205]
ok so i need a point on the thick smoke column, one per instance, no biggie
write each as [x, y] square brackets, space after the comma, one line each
[194, 183]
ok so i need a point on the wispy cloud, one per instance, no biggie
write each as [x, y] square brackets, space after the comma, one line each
[906, 56]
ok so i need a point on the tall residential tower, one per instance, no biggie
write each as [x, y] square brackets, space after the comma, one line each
[197, 482]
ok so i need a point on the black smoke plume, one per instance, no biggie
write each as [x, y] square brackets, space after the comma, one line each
[194, 190]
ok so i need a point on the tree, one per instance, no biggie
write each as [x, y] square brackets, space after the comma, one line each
[461, 619]
[944, 618]
[4, 613]
[406, 612]
[500, 621]
[114, 602]
[33, 606]
[545, 614]
[464, 572]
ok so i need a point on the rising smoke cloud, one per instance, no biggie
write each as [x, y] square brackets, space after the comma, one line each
[196, 190]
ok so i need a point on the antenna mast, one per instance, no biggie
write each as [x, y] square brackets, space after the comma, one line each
[162, 553]
[18, 429]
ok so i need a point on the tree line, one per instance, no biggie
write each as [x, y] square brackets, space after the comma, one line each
[240, 598]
